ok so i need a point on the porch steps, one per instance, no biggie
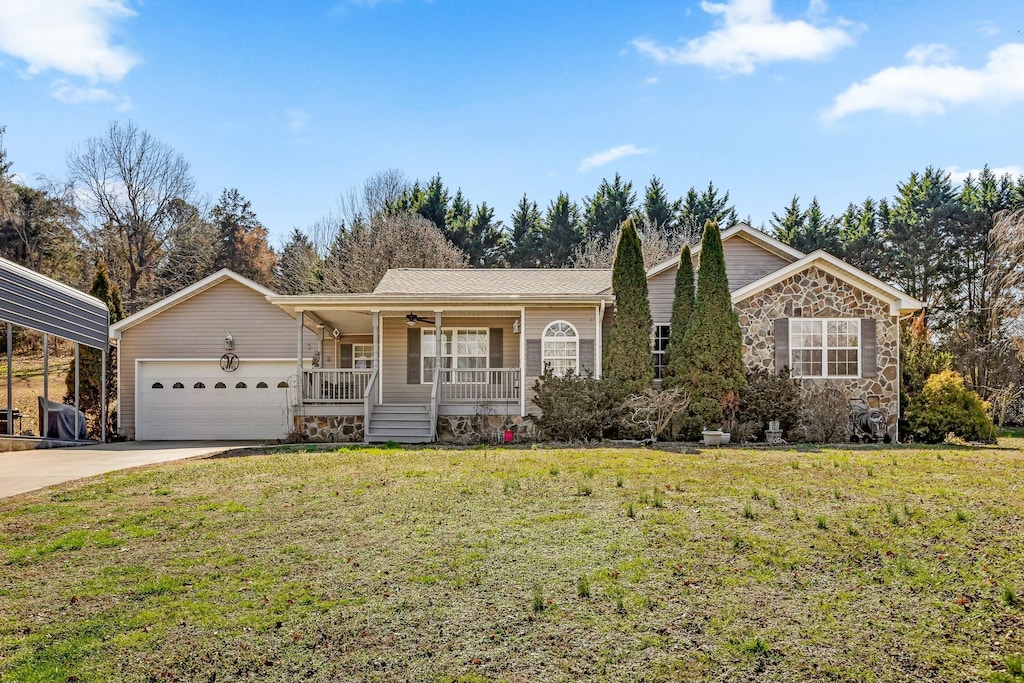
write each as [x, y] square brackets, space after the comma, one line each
[401, 423]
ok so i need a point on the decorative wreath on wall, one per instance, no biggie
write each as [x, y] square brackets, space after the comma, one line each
[229, 362]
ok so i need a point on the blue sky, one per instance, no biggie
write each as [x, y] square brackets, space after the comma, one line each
[294, 103]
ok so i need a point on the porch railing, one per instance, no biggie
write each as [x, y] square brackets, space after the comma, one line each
[492, 385]
[325, 385]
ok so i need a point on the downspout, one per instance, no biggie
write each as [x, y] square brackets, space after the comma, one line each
[600, 341]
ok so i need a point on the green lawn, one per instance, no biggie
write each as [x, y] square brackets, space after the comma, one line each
[524, 565]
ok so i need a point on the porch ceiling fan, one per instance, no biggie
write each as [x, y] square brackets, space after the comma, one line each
[412, 319]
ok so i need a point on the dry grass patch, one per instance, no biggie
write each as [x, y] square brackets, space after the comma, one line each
[523, 565]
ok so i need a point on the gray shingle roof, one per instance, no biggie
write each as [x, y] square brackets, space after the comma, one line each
[495, 281]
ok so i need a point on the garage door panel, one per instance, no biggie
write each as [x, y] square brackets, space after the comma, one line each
[200, 410]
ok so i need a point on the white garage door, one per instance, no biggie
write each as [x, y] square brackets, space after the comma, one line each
[197, 400]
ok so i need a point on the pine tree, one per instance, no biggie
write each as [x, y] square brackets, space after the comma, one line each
[860, 234]
[682, 311]
[610, 206]
[660, 212]
[698, 208]
[242, 239]
[712, 350]
[562, 232]
[89, 377]
[627, 357]
[296, 269]
[523, 244]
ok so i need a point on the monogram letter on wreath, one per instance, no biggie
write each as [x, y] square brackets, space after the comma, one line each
[229, 362]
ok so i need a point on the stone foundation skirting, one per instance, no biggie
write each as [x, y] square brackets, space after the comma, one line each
[330, 428]
[484, 428]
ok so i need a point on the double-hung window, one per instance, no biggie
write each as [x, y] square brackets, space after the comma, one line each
[659, 342]
[824, 347]
[465, 351]
[362, 356]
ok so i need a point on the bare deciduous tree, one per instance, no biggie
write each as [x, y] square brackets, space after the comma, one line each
[355, 259]
[658, 244]
[128, 181]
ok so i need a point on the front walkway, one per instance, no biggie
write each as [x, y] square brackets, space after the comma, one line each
[22, 471]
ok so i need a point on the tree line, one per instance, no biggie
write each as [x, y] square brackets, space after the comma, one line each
[129, 201]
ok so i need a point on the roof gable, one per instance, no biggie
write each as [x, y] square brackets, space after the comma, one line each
[899, 303]
[737, 231]
[185, 294]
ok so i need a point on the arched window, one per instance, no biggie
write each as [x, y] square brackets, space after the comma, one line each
[198, 385]
[158, 385]
[262, 385]
[220, 385]
[282, 385]
[240, 385]
[560, 348]
[178, 385]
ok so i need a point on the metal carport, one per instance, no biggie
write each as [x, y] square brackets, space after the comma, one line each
[39, 303]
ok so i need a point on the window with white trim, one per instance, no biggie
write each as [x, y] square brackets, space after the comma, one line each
[362, 356]
[560, 348]
[823, 347]
[464, 350]
[659, 342]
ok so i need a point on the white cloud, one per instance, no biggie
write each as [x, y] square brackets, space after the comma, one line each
[606, 157]
[651, 80]
[958, 176]
[70, 36]
[296, 119]
[69, 93]
[751, 34]
[929, 87]
[930, 53]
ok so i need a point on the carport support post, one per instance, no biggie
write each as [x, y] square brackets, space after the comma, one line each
[103, 396]
[44, 429]
[78, 367]
[438, 341]
[10, 379]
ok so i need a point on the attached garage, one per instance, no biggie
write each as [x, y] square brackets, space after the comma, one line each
[170, 382]
[196, 399]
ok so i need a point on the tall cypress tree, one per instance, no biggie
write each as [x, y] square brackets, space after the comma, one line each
[712, 348]
[628, 356]
[89, 377]
[682, 311]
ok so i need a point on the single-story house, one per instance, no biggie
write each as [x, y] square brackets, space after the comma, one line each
[228, 358]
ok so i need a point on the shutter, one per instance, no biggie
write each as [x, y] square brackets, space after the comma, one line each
[533, 357]
[586, 356]
[345, 356]
[868, 348]
[496, 351]
[781, 344]
[412, 369]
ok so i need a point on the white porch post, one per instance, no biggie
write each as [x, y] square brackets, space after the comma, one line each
[599, 342]
[377, 354]
[299, 320]
[522, 362]
[438, 340]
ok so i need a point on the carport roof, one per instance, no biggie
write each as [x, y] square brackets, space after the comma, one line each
[40, 303]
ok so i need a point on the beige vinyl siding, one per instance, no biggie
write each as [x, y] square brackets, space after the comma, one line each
[745, 262]
[195, 328]
[395, 353]
[332, 354]
[584, 319]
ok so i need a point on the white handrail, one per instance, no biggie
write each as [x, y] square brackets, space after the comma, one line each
[484, 385]
[341, 385]
[435, 391]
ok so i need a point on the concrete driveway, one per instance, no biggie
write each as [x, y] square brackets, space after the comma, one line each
[22, 471]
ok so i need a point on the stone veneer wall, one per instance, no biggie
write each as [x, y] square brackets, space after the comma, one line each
[822, 295]
[483, 428]
[330, 429]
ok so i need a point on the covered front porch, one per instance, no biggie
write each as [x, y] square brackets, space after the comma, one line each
[391, 372]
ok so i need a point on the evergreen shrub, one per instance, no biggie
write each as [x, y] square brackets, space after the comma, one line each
[946, 406]
[578, 408]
